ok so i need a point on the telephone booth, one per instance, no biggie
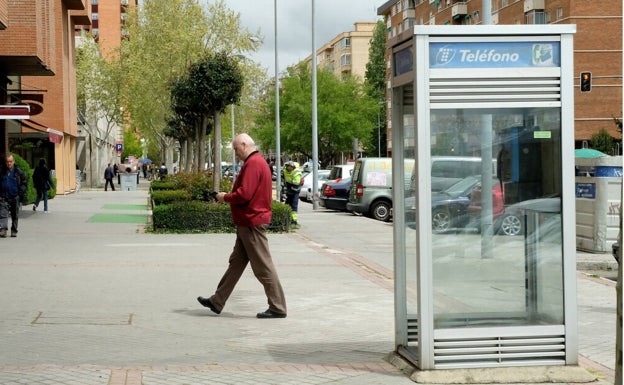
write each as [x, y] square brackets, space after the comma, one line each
[485, 279]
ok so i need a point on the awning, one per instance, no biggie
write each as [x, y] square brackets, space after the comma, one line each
[55, 136]
[14, 111]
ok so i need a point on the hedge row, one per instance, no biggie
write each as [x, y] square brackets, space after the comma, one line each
[183, 203]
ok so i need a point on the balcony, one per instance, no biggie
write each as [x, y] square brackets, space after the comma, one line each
[459, 9]
[409, 14]
[531, 5]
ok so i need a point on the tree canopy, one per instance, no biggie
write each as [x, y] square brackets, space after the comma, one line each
[344, 112]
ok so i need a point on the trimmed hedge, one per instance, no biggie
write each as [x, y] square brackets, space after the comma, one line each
[182, 203]
[160, 197]
[197, 216]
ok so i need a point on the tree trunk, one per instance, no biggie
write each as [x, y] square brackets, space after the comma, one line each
[216, 171]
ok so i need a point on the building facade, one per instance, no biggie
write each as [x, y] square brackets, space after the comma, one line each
[347, 53]
[37, 68]
[597, 46]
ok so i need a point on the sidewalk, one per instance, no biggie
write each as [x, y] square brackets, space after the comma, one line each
[90, 298]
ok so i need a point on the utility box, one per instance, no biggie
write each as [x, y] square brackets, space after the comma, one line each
[598, 202]
[128, 181]
[468, 295]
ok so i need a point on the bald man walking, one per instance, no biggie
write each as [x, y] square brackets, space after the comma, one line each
[250, 204]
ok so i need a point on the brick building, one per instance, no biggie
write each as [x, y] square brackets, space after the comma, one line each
[37, 68]
[597, 44]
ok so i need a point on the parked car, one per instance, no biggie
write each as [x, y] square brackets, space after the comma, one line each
[447, 170]
[334, 195]
[340, 171]
[306, 189]
[511, 221]
[458, 206]
[371, 187]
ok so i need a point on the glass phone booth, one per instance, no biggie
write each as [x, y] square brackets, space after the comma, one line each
[484, 244]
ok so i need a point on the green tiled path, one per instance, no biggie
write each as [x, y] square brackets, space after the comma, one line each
[120, 217]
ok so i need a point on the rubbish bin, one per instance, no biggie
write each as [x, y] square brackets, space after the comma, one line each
[128, 181]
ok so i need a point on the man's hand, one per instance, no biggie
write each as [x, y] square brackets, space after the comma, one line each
[220, 196]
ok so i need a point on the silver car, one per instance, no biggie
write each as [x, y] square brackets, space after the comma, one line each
[306, 189]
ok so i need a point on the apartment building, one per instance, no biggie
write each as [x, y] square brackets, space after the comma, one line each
[108, 22]
[37, 69]
[347, 53]
[597, 44]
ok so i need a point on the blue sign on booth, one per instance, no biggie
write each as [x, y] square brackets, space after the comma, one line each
[586, 190]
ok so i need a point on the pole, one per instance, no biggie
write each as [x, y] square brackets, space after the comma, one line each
[315, 203]
[278, 165]
[233, 152]
[379, 135]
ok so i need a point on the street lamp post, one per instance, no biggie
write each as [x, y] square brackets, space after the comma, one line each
[278, 165]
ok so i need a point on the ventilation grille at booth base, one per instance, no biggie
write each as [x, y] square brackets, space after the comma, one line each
[486, 90]
[499, 351]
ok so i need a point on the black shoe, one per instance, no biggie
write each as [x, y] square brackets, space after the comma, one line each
[206, 302]
[3, 233]
[270, 314]
[13, 234]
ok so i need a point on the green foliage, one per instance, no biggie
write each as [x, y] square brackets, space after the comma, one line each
[160, 197]
[375, 81]
[31, 193]
[602, 141]
[182, 204]
[193, 216]
[132, 145]
[344, 112]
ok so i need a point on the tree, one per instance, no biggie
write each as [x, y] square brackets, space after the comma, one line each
[99, 99]
[602, 141]
[344, 112]
[375, 81]
[164, 37]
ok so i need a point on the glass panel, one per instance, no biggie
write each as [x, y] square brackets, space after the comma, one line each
[410, 234]
[497, 259]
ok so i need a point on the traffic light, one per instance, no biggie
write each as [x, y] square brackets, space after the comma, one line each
[585, 81]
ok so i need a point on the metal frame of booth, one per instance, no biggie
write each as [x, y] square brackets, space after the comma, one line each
[468, 296]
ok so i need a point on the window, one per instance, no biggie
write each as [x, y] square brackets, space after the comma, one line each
[94, 2]
[94, 16]
[559, 13]
[345, 60]
[345, 42]
[537, 17]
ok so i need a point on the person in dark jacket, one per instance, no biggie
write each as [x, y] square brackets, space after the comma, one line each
[109, 174]
[250, 205]
[12, 192]
[42, 180]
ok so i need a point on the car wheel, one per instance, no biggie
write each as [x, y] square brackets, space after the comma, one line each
[510, 225]
[440, 220]
[381, 211]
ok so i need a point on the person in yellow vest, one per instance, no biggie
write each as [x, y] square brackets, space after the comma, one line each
[293, 181]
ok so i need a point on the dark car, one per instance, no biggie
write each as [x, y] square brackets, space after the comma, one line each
[334, 195]
[458, 206]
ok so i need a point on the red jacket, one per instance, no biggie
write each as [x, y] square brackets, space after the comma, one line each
[251, 196]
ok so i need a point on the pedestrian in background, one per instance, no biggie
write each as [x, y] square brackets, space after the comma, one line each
[250, 204]
[109, 174]
[13, 185]
[293, 182]
[42, 180]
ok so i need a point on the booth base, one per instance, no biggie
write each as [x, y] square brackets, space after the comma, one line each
[506, 375]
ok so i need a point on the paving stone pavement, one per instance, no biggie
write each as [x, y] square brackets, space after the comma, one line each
[92, 302]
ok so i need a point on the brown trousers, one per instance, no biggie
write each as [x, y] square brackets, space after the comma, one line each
[252, 246]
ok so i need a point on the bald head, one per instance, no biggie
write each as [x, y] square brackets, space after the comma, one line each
[243, 146]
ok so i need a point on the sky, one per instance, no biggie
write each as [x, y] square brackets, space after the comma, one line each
[294, 25]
